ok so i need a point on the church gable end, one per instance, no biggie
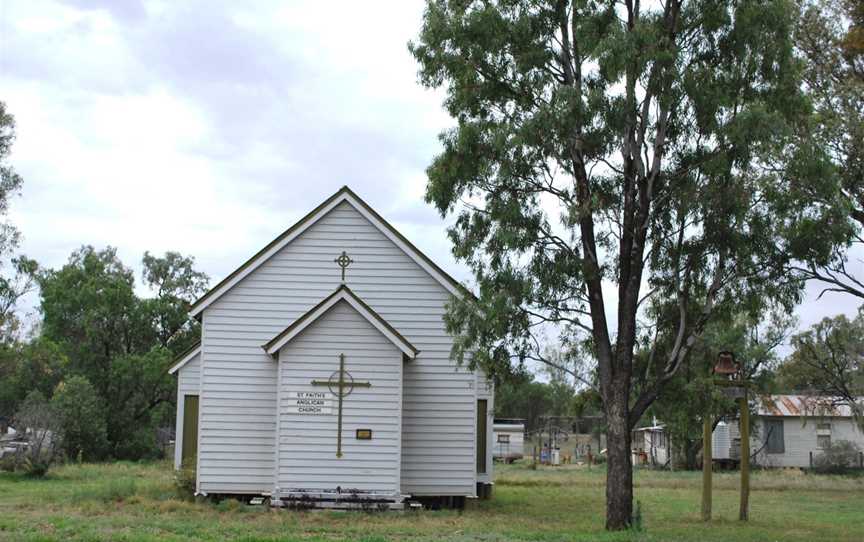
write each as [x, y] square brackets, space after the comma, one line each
[238, 401]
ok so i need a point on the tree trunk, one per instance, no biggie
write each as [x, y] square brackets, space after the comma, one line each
[619, 475]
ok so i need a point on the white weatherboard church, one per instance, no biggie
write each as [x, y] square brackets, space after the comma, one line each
[323, 376]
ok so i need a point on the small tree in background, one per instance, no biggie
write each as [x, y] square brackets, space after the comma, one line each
[828, 361]
[38, 420]
[82, 419]
[37, 365]
[692, 394]
[121, 343]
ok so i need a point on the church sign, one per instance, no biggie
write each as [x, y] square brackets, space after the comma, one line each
[309, 402]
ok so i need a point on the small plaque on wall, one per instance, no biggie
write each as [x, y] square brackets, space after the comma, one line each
[364, 434]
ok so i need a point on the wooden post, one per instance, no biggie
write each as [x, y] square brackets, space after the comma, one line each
[706, 468]
[744, 510]
[671, 454]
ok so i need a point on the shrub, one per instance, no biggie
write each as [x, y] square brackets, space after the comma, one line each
[42, 433]
[184, 481]
[841, 457]
[82, 419]
[37, 467]
[138, 444]
[9, 463]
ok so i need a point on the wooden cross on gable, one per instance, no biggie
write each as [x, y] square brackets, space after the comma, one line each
[341, 384]
[343, 261]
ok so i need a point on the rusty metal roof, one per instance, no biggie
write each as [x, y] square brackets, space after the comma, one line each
[801, 405]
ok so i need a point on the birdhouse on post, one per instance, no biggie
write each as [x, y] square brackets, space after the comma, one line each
[731, 379]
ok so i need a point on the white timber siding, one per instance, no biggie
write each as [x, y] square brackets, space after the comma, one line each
[188, 383]
[238, 399]
[799, 439]
[307, 442]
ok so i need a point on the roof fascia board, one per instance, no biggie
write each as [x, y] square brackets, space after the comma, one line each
[256, 261]
[407, 348]
[343, 195]
[399, 241]
[185, 358]
[342, 294]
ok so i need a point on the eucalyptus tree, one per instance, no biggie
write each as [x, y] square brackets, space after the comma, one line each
[830, 38]
[604, 154]
[21, 280]
[827, 361]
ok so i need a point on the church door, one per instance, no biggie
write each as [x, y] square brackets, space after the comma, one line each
[190, 430]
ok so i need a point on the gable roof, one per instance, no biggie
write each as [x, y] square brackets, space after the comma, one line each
[184, 358]
[342, 293]
[344, 194]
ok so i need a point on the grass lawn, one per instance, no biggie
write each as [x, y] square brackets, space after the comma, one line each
[134, 502]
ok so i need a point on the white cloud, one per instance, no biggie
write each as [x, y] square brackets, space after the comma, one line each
[209, 129]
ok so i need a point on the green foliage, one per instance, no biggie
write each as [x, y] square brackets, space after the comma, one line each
[89, 307]
[9, 462]
[121, 343]
[840, 458]
[830, 39]
[82, 419]
[10, 181]
[21, 280]
[729, 92]
[519, 395]
[638, 145]
[185, 480]
[828, 360]
[37, 365]
[691, 395]
[43, 433]
[175, 283]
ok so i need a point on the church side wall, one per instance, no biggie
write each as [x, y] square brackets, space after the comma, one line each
[238, 403]
[307, 442]
[188, 383]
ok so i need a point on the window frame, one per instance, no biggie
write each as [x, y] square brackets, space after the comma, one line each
[819, 438]
[771, 444]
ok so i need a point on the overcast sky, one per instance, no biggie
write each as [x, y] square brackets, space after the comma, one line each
[209, 129]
